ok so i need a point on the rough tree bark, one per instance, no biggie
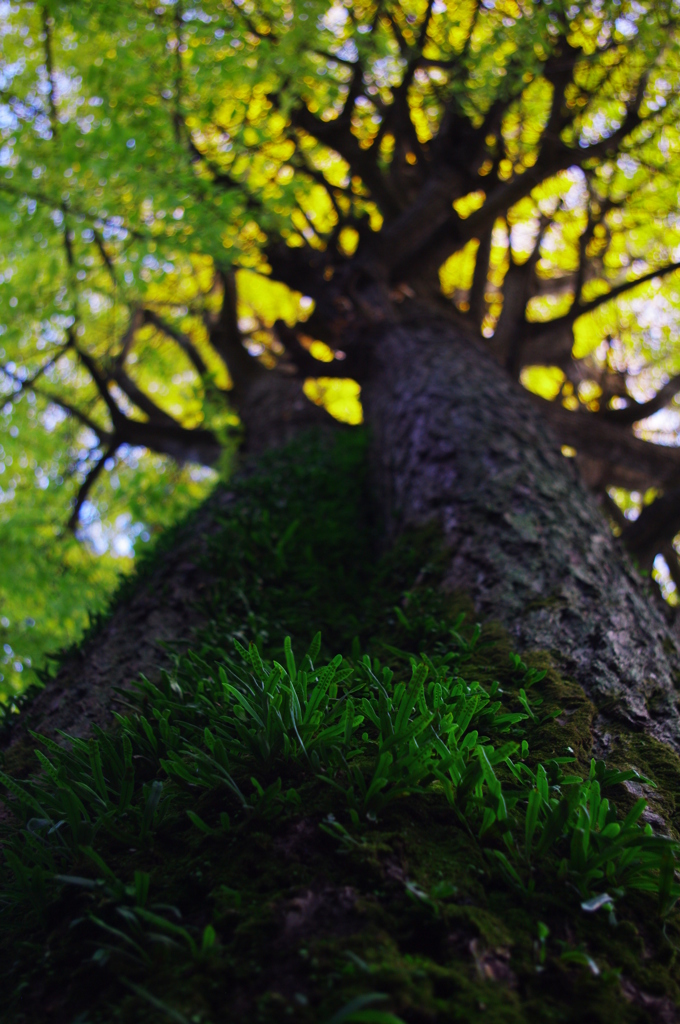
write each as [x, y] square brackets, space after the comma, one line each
[457, 441]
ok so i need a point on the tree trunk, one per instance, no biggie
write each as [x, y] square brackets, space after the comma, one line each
[457, 441]
[274, 409]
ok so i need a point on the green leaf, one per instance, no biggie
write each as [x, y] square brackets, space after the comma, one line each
[142, 882]
[21, 795]
[313, 652]
[531, 820]
[354, 1011]
[290, 660]
[97, 773]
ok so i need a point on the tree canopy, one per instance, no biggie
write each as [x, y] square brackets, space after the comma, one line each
[192, 197]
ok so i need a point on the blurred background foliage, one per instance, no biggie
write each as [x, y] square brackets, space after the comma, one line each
[53, 581]
[50, 580]
[145, 146]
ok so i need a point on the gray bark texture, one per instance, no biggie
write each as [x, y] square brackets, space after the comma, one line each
[457, 441]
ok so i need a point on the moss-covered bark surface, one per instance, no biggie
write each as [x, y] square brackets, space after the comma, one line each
[187, 881]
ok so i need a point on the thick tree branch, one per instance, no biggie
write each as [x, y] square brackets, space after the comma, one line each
[617, 458]
[580, 309]
[657, 525]
[584, 241]
[99, 380]
[671, 557]
[552, 341]
[479, 279]
[397, 116]
[88, 483]
[612, 510]
[63, 403]
[137, 396]
[425, 26]
[28, 383]
[398, 34]
[77, 414]
[558, 70]
[226, 339]
[127, 341]
[506, 341]
[407, 247]
[337, 135]
[636, 411]
[182, 444]
[335, 57]
[106, 259]
[184, 342]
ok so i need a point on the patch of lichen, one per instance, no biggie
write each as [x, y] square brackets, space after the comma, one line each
[408, 912]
